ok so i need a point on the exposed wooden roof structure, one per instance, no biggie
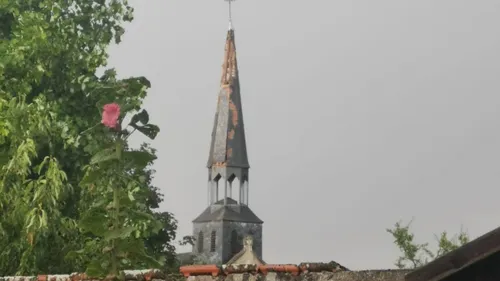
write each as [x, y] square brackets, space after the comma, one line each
[461, 260]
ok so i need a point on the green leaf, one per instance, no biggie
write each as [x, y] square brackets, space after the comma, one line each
[74, 254]
[107, 249]
[119, 233]
[144, 81]
[149, 130]
[94, 269]
[142, 179]
[131, 196]
[142, 117]
[136, 247]
[94, 223]
[104, 155]
[139, 159]
[142, 216]
[151, 261]
[91, 176]
[119, 31]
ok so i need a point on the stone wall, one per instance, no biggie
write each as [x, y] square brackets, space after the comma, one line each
[367, 275]
[130, 275]
[248, 274]
[287, 272]
[303, 272]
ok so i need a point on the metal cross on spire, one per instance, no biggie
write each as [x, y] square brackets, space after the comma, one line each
[230, 14]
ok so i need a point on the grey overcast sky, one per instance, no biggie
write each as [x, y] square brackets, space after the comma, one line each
[358, 114]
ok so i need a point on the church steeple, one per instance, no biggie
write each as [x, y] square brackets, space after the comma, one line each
[228, 153]
[221, 228]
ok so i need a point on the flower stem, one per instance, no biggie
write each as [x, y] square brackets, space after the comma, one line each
[90, 128]
[116, 223]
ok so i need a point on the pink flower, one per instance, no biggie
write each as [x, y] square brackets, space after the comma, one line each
[110, 114]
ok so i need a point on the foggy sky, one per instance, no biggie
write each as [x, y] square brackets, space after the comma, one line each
[357, 114]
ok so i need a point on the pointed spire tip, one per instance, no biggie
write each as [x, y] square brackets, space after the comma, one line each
[230, 15]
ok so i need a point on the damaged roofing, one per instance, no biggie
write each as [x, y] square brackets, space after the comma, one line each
[228, 144]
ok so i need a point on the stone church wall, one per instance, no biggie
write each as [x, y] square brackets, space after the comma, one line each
[206, 228]
[223, 231]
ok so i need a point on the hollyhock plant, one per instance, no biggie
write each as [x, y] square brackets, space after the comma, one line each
[125, 224]
[110, 115]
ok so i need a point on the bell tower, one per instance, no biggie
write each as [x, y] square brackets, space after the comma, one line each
[221, 228]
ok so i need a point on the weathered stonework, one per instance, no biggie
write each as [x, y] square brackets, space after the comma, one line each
[223, 240]
[147, 275]
[368, 275]
[206, 255]
[130, 275]
[242, 229]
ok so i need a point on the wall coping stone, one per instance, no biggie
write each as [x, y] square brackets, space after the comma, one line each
[243, 272]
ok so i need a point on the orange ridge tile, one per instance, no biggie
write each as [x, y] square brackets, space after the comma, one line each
[286, 268]
[191, 270]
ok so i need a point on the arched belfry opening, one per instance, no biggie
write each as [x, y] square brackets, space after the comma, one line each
[236, 244]
[234, 188]
[214, 189]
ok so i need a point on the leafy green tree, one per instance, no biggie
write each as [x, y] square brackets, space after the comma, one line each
[413, 254]
[50, 112]
[188, 240]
